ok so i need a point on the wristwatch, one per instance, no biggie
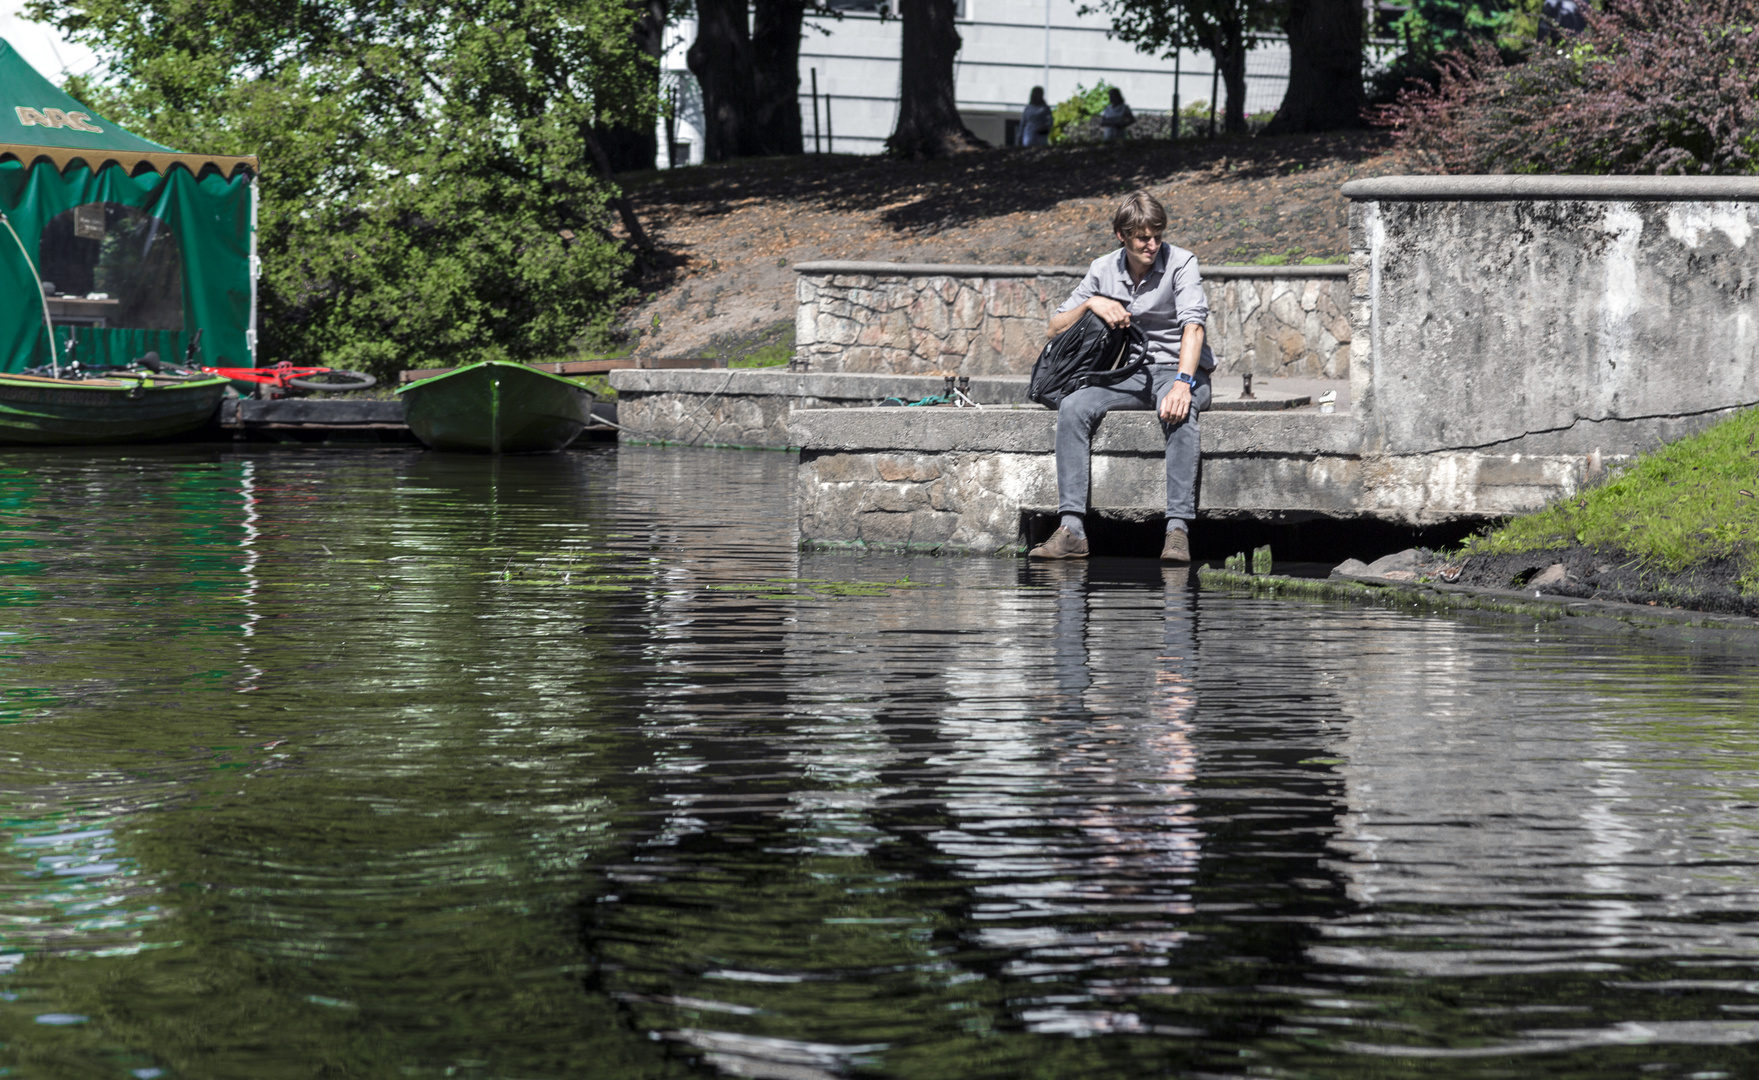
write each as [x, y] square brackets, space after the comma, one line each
[1188, 380]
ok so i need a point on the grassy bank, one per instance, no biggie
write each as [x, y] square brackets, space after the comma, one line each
[1680, 522]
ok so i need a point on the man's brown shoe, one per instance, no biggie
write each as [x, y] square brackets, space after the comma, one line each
[1178, 547]
[1063, 544]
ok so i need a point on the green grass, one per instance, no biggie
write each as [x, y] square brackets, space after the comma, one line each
[1295, 257]
[1682, 504]
[774, 354]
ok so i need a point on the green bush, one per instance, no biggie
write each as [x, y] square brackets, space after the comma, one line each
[1650, 86]
[1085, 105]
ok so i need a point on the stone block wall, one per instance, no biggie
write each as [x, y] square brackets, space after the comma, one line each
[901, 318]
[1280, 327]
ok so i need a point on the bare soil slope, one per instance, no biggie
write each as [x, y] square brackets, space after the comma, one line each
[729, 234]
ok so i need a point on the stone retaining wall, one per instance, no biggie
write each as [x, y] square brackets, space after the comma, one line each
[936, 480]
[1273, 321]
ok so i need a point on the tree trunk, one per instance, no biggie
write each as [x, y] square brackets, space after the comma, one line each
[1230, 59]
[1325, 68]
[775, 72]
[928, 117]
[635, 145]
[720, 59]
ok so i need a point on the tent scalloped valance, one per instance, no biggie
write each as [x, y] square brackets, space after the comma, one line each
[130, 160]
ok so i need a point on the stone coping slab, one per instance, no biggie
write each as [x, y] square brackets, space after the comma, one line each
[882, 269]
[1031, 429]
[1516, 188]
[824, 385]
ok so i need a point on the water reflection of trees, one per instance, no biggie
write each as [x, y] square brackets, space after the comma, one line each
[370, 858]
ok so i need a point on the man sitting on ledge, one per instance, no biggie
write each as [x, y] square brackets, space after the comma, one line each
[1154, 286]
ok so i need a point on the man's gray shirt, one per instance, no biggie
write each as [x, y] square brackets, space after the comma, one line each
[1167, 301]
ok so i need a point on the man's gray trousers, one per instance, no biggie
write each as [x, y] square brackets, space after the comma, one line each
[1079, 415]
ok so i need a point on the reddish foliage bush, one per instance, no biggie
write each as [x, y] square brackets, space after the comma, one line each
[1650, 86]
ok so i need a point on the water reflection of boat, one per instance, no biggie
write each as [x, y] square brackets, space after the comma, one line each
[48, 411]
[496, 407]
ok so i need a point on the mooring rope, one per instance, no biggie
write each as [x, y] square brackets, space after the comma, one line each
[703, 428]
[48, 324]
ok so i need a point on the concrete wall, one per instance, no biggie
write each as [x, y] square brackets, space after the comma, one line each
[989, 320]
[1562, 314]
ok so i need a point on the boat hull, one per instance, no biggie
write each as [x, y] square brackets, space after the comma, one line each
[496, 407]
[69, 412]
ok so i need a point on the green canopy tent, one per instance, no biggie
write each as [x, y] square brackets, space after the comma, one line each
[135, 246]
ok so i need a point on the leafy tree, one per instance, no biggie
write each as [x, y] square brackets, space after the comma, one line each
[928, 116]
[427, 192]
[1436, 26]
[633, 143]
[1325, 89]
[1227, 28]
[1650, 86]
[1430, 28]
[775, 71]
[746, 59]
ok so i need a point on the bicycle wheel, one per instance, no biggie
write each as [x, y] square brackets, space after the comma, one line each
[334, 382]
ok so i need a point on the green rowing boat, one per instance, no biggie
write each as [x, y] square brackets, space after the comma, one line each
[496, 407]
[76, 412]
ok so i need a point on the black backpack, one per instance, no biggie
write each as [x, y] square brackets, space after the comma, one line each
[1090, 353]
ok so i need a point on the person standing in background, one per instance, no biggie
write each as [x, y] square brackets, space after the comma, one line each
[1035, 120]
[1115, 120]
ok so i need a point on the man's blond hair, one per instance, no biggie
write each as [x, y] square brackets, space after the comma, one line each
[1139, 211]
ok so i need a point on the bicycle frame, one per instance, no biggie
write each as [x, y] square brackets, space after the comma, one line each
[275, 376]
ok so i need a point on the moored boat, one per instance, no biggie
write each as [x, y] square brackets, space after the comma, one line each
[496, 407]
[42, 411]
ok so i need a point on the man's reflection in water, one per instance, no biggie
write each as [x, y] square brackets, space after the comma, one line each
[1102, 881]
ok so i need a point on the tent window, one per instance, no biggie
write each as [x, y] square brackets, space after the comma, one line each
[112, 265]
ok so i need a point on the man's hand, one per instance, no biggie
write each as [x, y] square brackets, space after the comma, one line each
[1177, 404]
[1110, 312]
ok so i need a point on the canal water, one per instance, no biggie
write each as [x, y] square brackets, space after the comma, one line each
[392, 764]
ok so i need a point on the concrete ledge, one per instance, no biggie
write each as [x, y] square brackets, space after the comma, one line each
[978, 270]
[824, 386]
[755, 408]
[1510, 187]
[1031, 429]
[346, 412]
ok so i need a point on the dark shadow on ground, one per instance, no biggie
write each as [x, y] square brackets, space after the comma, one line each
[924, 198]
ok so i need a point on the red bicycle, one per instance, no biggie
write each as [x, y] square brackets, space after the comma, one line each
[284, 376]
[267, 382]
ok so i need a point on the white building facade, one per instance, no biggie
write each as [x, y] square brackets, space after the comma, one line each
[1008, 47]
